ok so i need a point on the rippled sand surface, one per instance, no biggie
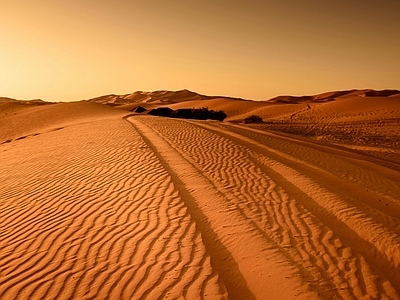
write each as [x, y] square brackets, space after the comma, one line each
[112, 206]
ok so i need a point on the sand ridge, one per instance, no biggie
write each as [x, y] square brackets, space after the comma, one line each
[19, 120]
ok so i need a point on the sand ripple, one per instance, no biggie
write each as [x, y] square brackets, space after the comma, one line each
[332, 215]
[88, 212]
[152, 208]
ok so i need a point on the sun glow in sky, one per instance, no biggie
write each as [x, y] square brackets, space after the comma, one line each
[78, 49]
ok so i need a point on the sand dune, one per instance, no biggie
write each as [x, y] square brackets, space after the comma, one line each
[19, 121]
[100, 203]
[355, 118]
[88, 212]
[358, 119]
[155, 99]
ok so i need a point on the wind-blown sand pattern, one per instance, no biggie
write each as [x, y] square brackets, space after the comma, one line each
[98, 218]
[96, 203]
[314, 205]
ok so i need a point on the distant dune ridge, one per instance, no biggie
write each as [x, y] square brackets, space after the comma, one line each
[358, 117]
[171, 97]
[99, 200]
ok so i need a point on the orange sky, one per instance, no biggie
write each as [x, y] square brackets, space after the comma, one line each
[61, 50]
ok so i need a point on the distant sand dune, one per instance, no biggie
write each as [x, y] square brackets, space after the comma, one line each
[354, 118]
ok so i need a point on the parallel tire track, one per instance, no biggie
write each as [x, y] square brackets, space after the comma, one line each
[241, 255]
[306, 200]
[161, 208]
[88, 212]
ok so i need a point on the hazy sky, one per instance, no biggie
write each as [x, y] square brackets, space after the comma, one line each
[62, 50]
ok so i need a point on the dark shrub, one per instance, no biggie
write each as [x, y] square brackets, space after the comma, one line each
[189, 113]
[162, 112]
[139, 109]
[200, 113]
[204, 114]
[253, 119]
[219, 115]
[184, 113]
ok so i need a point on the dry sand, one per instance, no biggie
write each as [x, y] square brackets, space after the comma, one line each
[100, 203]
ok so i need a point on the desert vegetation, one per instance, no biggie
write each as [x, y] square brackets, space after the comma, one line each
[253, 119]
[189, 113]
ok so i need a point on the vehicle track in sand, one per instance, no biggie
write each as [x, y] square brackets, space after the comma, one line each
[88, 212]
[321, 214]
[154, 208]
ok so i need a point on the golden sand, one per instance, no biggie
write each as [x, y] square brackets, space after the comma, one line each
[100, 203]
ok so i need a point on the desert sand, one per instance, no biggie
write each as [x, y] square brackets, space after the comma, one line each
[99, 202]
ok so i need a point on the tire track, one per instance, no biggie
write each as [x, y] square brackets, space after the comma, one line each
[94, 215]
[221, 226]
[290, 191]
